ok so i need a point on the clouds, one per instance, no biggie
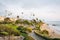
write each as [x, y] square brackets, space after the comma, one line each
[31, 3]
[44, 9]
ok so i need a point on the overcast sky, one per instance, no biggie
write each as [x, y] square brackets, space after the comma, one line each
[43, 9]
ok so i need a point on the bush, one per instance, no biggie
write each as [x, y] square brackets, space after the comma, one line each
[28, 29]
[4, 33]
[15, 32]
[38, 27]
[45, 32]
[24, 34]
[7, 21]
[28, 38]
[18, 21]
[10, 29]
[26, 22]
[21, 29]
[41, 22]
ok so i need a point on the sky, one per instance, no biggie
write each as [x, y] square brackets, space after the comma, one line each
[43, 9]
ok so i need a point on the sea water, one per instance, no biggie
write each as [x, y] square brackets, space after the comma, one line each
[54, 25]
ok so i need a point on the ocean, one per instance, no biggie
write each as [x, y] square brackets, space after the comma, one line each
[55, 25]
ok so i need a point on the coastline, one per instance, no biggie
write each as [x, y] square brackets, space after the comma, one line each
[45, 37]
[52, 32]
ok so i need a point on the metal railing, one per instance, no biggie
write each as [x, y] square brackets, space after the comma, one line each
[11, 38]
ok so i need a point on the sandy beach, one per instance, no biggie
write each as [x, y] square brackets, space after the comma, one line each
[52, 32]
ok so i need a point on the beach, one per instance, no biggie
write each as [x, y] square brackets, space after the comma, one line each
[52, 32]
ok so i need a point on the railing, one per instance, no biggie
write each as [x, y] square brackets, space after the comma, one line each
[11, 38]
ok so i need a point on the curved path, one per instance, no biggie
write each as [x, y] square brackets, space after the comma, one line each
[36, 37]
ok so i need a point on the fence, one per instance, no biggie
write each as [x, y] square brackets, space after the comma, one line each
[11, 38]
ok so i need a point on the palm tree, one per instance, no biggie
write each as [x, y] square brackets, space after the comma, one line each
[36, 18]
[8, 13]
[17, 17]
[22, 12]
[33, 14]
[5, 12]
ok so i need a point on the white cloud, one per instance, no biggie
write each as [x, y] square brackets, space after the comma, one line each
[46, 12]
[44, 9]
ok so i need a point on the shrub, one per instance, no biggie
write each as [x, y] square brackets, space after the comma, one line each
[26, 22]
[41, 22]
[10, 29]
[28, 29]
[7, 21]
[38, 27]
[4, 33]
[28, 38]
[45, 32]
[24, 34]
[21, 29]
[18, 21]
